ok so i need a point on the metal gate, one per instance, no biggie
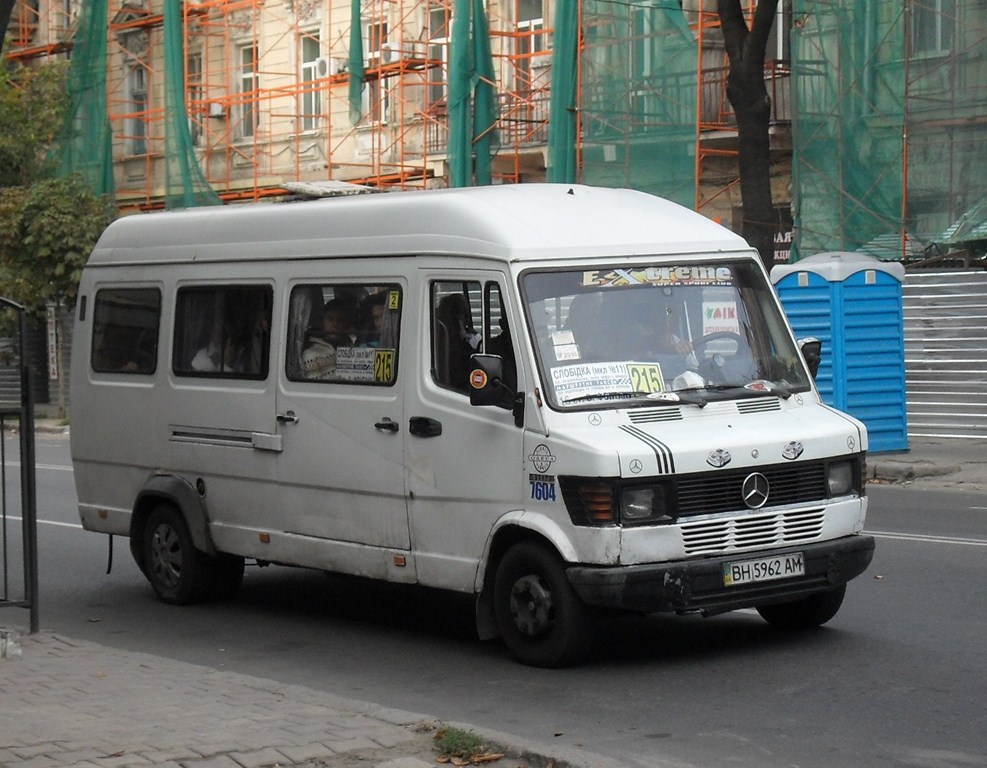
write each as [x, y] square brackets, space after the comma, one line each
[19, 544]
[946, 353]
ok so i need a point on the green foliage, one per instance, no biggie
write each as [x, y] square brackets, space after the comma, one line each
[46, 233]
[32, 108]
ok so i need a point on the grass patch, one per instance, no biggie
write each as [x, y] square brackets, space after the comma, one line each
[462, 747]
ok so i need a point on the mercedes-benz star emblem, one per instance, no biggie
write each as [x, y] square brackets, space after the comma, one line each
[755, 489]
[636, 466]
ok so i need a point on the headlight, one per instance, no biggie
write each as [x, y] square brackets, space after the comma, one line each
[643, 504]
[840, 478]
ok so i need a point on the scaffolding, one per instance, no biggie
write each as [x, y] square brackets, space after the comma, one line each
[879, 125]
[890, 151]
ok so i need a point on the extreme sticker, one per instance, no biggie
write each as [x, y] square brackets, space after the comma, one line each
[685, 275]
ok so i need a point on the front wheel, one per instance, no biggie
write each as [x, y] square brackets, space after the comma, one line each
[542, 621]
[178, 572]
[807, 613]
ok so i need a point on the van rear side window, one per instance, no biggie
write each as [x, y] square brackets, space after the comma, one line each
[223, 331]
[344, 332]
[125, 330]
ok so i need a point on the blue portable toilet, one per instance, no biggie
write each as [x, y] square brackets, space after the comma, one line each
[852, 303]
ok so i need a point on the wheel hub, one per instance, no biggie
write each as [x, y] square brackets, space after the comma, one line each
[532, 607]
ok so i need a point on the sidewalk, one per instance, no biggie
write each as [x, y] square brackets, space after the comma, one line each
[73, 704]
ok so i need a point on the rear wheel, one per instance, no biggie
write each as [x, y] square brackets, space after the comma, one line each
[809, 612]
[178, 572]
[542, 621]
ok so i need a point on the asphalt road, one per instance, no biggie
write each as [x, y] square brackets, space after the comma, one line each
[898, 678]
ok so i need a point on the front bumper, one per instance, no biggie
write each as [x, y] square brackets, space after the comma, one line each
[688, 586]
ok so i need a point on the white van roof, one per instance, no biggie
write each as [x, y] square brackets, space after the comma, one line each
[511, 223]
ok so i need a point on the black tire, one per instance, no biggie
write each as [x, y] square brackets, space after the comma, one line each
[178, 572]
[807, 613]
[542, 621]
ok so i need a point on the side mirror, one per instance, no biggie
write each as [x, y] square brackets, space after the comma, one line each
[488, 388]
[812, 352]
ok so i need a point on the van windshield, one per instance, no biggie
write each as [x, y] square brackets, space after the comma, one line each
[686, 333]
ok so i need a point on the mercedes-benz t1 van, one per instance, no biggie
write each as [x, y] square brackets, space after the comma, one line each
[559, 399]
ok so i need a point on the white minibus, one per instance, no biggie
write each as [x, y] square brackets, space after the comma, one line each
[562, 400]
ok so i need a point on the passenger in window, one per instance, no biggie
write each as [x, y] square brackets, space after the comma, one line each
[223, 353]
[372, 316]
[338, 330]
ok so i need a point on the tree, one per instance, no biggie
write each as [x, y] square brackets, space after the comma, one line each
[47, 226]
[32, 107]
[46, 233]
[748, 95]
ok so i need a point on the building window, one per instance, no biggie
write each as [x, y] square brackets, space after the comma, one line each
[933, 23]
[345, 333]
[375, 42]
[439, 25]
[311, 50]
[137, 112]
[194, 97]
[125, 330]
[248, 84]
[530, 42]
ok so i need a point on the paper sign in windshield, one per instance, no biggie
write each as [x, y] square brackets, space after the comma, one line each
[625, 377]
[696, 274]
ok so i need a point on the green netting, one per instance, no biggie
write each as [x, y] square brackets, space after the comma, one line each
[185, 184]
[890, 143]
[472, 112]
[637, 97]
[562, 124]
[84, 146]
[357, 79]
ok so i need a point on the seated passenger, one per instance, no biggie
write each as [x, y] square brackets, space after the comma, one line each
[372, 311]
[319, 357]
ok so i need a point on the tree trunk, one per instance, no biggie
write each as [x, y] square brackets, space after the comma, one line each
[6, 9]
[749, 98]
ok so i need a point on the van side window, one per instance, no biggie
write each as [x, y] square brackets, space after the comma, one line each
[125, 330]
[455, 308]
[344, 333]
[497, 332]
[223, 331]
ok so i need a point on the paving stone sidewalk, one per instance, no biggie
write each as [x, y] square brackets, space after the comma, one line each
[66, 703]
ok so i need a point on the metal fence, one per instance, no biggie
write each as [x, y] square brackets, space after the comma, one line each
[19, 543]
[946, 353]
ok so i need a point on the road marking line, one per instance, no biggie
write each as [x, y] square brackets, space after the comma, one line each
[49, 522]
[928, 539]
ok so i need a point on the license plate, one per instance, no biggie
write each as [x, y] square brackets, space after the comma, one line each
[764, 569]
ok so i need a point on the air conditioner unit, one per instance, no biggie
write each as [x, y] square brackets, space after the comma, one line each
[217, 109]
[389, 53]
[323, 67]
[337, 66]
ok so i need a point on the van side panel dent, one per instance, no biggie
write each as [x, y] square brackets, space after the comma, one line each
[181, 493]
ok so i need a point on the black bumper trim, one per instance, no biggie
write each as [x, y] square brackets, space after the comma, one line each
[697, 585]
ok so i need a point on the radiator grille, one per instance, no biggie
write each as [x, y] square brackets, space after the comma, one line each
[755, 531]
[711, 493]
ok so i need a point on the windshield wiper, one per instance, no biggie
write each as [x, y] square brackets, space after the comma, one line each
[767, 389]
